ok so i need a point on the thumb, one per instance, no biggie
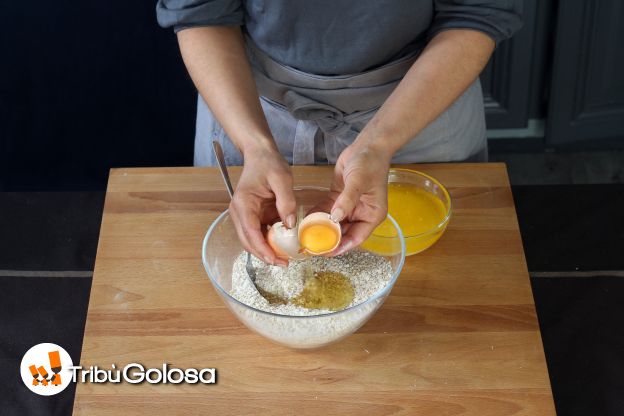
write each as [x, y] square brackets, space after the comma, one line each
[346, 201]
[285, 200]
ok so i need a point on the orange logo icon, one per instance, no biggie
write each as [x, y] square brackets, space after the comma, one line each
[55, 366]
[41, 378]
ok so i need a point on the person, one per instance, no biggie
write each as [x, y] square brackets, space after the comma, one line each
[357, 84]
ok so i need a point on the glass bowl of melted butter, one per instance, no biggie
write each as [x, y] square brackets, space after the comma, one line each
[335, 300]
[421, 206]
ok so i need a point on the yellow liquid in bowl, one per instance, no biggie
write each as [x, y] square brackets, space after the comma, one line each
[416, 211]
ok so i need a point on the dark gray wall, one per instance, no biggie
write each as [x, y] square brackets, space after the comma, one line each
[85, 86]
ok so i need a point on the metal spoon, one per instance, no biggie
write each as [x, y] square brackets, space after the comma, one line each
[251, 271]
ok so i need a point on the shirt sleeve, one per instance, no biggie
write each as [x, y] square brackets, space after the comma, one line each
[498, 19]
[182, 14]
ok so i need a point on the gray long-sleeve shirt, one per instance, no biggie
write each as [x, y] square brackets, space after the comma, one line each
[339, 37]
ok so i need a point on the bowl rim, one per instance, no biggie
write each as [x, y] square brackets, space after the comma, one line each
[446, 193]
[381, 292]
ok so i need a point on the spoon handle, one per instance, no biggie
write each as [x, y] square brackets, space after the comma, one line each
[218, 151]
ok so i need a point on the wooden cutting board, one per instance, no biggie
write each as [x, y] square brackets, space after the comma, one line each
[458, 335]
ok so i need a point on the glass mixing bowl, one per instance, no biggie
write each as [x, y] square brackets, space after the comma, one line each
[221, 248]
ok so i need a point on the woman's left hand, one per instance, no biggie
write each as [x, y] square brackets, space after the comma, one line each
[359, 193]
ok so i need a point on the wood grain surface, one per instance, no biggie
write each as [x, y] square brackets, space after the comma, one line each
[458, 335]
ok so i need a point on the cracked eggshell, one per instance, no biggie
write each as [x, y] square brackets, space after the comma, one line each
[284, 241]
[321, 218]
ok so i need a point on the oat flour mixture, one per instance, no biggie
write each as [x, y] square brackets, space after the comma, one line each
[367, 272]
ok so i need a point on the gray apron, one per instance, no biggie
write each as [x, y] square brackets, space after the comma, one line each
[313, 118]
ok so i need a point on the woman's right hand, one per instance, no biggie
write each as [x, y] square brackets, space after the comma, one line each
[264, 192]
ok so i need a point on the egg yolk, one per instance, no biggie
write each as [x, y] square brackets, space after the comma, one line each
[318, 238]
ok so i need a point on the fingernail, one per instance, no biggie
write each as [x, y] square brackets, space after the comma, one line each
[268, 260]
[346, 246]
[337, 215]
[290, 221]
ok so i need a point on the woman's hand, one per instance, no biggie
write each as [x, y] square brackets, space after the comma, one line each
[264, 193]
[359, 192]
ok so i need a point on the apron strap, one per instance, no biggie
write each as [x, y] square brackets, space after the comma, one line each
[345, 93]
